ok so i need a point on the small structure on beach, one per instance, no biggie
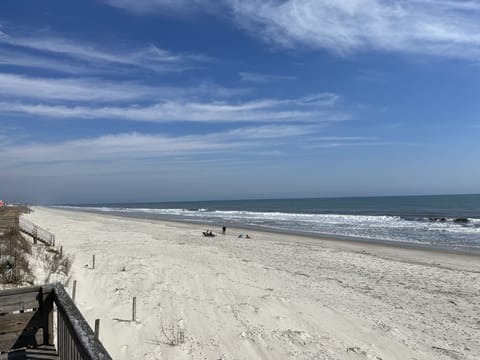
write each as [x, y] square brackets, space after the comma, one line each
[36, 232]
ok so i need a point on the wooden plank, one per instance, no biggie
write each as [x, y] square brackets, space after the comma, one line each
[47, 240]
[22, 298]
[21, 329]
[13, 323]
[44, 352]
[26, 289]
[11, 303]
[20, 340]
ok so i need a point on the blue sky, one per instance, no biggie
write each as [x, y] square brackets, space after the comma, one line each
[137, 100]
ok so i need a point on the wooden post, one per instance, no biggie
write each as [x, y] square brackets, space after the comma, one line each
[134, 309]
[35, 234]
[15, 272]
[97, 328]
[61, 251]
[46, 308]
[74, 291]
[93, 260]
[14, 276]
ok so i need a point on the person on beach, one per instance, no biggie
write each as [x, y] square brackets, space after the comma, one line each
[224, 230]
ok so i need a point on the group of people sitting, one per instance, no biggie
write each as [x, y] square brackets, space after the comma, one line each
[208, 233]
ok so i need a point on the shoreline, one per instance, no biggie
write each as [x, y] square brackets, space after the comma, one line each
[333, 240]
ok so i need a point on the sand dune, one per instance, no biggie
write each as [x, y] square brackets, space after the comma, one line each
[273, 296]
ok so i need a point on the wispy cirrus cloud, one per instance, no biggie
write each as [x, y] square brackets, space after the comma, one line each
[12, 85]
[119, 152]
[313, 108]
[327, 142]
[263, 78]
[176, 6]
[76, 89]
[441, 28]
[14, 58]
[134, 146]
[47, 51]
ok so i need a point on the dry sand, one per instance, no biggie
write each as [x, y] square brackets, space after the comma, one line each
[273, 296]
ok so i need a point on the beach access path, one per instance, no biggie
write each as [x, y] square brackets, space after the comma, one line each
[273, 296]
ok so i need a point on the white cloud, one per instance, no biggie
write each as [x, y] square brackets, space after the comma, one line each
[70, 89]
[271, 131]
[20, 59]
[263, 78]
[96, 56]
[318, 108]
[81, 89]
[120, 153]
[133, 146]
[432, 27]
[444, 28]
[146, 6]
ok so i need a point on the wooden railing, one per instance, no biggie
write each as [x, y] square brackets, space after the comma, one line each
[36, 232]
[26, 320]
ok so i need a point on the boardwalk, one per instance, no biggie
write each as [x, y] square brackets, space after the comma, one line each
[36, 232]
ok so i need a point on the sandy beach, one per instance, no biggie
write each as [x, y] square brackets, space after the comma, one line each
[273, 296]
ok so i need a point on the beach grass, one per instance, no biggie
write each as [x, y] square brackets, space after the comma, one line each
[14, 249]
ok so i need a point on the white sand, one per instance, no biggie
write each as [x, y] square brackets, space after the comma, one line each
[270, 297]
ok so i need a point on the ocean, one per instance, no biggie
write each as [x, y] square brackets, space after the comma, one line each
[444, 221]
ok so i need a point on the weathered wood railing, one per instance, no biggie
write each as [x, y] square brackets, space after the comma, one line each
[36, 232]
[26, 320]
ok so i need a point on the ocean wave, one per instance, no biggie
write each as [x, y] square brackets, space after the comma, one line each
[327, 219]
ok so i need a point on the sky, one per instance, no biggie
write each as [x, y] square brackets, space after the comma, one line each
[170, 100]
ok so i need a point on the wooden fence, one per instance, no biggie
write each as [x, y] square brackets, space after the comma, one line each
[36, 232]
[26, 321]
